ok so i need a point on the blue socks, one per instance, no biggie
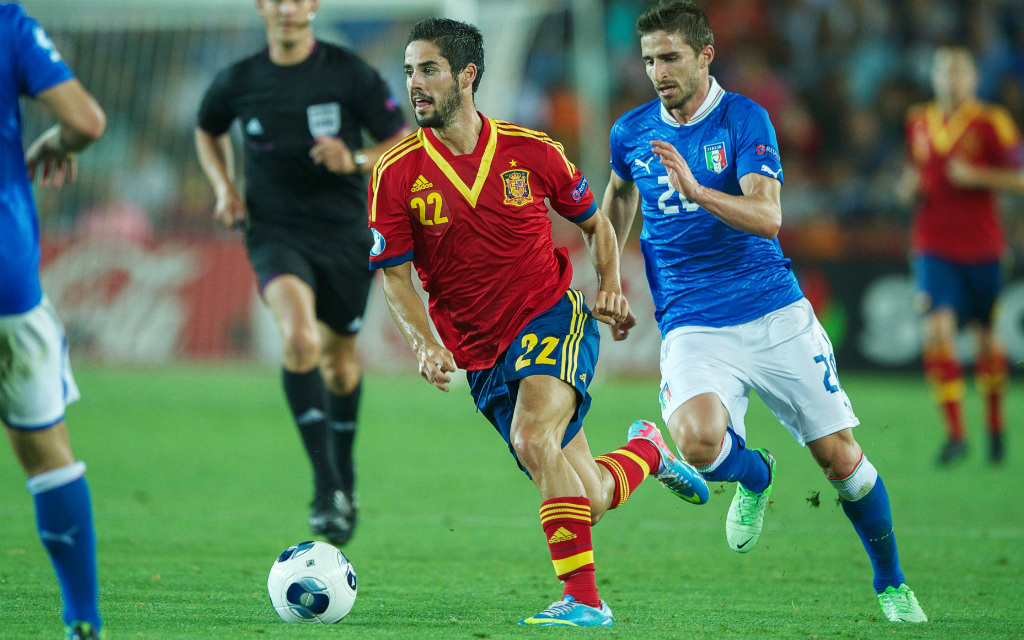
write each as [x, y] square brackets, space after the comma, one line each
[64, 521]
[872, 520]
[735, 463]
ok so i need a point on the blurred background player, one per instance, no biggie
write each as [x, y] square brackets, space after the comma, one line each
[36, 384]
[730, 311]
[464, 200]
[964, 153]
[303, 105]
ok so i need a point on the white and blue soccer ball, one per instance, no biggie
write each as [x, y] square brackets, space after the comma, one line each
[312, 582]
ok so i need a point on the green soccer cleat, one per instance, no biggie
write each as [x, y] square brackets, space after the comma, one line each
[85, 631]
[899, 604]
[746, 513]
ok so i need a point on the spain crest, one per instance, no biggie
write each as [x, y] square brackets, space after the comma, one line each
[517, 187]
[715, 156]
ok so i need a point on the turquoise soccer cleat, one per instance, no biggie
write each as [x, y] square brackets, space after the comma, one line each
[674, 473]
[900, 605]
[569, 613]
[746, 513]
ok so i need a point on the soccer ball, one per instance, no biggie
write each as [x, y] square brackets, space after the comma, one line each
[312, 582]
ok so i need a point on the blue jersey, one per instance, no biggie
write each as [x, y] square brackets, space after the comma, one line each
[29, 65]
[702, 271]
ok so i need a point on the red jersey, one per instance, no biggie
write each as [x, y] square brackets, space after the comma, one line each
[476, 227]
[959, 225]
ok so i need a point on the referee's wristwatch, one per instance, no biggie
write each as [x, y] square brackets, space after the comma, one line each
[361, 159]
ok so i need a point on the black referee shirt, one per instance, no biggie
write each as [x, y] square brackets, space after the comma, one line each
[282, 109]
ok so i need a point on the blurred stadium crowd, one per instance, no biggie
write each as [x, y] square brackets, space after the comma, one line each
[836, 77]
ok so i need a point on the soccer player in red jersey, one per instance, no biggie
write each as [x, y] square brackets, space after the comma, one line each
[463, 199]
[963, 152]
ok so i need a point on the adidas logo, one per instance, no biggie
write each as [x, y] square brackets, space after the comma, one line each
[421, 184]
[310, 416]
[561, 535]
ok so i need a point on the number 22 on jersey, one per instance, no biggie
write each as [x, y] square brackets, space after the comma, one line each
[429, 210]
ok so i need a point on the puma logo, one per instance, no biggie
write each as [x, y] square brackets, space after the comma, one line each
[68, 537]
[774, 174]
[645, 165]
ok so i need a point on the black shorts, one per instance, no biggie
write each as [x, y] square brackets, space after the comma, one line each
[338, 275]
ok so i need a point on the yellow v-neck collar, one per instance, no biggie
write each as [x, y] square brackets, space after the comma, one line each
[471, 195]
[945, 134]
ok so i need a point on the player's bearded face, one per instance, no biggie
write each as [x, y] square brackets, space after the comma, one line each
[445, 107]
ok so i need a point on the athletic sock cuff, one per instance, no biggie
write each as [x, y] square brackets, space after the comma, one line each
[55, 478]
[858, 483]
[708, 467]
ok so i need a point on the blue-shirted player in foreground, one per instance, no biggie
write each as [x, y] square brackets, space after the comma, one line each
[35, 378]
[730, 311]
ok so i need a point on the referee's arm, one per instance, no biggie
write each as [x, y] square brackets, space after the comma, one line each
[217, 158]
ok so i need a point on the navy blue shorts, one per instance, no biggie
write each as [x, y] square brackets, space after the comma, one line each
[970, 290]
[562, 342]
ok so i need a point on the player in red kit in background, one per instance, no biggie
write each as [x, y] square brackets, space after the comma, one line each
[463, 199]
[963, 153]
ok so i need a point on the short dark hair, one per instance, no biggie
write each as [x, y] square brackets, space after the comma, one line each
[684, 18]
[459, 43]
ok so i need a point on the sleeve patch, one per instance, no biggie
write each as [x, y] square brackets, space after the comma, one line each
[580, 189]
[764, 149]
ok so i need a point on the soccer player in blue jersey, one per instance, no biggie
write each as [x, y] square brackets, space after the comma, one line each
[35, 379]
[705, 165]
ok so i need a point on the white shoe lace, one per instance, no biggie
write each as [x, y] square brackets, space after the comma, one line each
[559, 607]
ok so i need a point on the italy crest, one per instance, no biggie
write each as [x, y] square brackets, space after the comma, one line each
[714, 154]
[517, 187]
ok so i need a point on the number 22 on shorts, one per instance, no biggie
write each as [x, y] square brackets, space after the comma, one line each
[530, 341]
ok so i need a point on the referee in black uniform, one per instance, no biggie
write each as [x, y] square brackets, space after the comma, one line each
[303, 105]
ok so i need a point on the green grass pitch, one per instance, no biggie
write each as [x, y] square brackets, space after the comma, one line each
[198, 483]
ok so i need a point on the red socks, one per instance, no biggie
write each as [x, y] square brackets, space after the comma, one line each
[944, 372]
[991, 371]
[566, 523]
[629, 465]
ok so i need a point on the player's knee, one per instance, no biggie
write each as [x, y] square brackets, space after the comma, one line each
[301, 348]
[340, 376]
[535, 449]
[837, 454]
[696, 442]
[42, 451]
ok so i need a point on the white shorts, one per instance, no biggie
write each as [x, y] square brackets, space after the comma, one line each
[36, 384]
[785, 356]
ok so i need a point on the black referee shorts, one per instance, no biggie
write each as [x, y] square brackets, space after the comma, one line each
[339, 276]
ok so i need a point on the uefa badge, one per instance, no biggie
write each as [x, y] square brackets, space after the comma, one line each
[378, 243]
[714, 155]
[324, 119]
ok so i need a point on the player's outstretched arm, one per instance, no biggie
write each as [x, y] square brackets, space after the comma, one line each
[217, 158]
[610, 306]
[968, 176]
[757, 211]
[621, 199]
[80, 122]
[435, 362]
